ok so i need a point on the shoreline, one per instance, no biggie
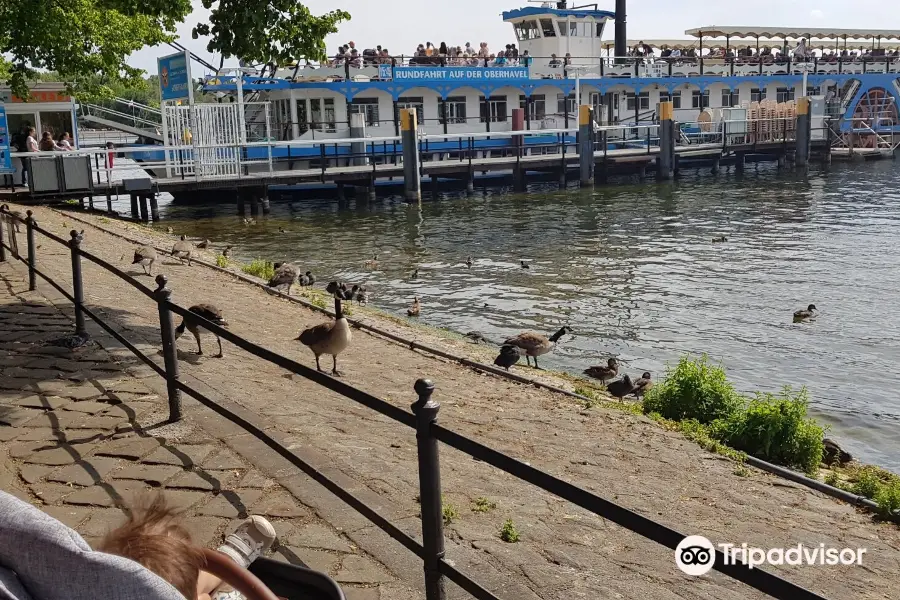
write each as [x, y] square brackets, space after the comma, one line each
[586, 391]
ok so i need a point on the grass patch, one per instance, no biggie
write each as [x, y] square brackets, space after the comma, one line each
[700, 434]
[222, 261]
[483, 505]
[509, 533]
[597, 398]
[888, 499]
[776, 429]
[259, 268]
[315, 297]
[103, 220]
[741, 471]
[694, 389]
[449, 512]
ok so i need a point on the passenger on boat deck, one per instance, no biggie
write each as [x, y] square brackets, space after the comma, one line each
[500, 61]
[429, 49]
[483, 51]
[676, 53]
[568, 59]
[469, 51]
[354, 58]
[338, 58]
[525, 59]
[554, 62]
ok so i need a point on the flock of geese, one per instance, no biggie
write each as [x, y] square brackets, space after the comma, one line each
[334, 336]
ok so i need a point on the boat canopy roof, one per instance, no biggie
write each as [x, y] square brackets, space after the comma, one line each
[534, 11]
[791, 33]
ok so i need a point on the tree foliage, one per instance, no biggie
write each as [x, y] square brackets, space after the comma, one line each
[82, 39]
[263, 31]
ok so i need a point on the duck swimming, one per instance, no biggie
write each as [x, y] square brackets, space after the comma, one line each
[802, 315]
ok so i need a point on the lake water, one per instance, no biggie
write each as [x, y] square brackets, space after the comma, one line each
[632, 268]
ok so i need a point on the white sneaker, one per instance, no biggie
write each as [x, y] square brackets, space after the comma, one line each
[253, 537]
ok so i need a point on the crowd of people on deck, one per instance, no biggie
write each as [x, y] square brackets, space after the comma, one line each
[765, 54]
[431, 55]
[26, 141]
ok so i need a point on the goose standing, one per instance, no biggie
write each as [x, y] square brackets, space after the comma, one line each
[509, 355]
[203, 245]
[415, 308]
[642, 385]
[285, 276]
[362, 295]
[803, 315]
[307, 279]
[535, 345]
[208, 312]
[183, 249]
[227, 251]
[620, 388]
[145, 256]
[603, 373]
[328, 338]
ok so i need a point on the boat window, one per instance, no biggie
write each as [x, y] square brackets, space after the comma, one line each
[302, 118]
[784, 94]
[700, 100]
[756, 95]
[563, 28]
[566, 104]
[600, 29]
[730, 98]
[573, 28]
[547, 28]
[455, 110]
[493, 109]
[415, 102]
[527, 30]
[643, 100]
[321, 111]
[367, 107]
[674, 98]
[537, 109]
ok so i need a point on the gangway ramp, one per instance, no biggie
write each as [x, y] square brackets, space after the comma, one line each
[144, 121]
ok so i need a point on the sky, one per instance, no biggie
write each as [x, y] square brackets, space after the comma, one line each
[400, 25]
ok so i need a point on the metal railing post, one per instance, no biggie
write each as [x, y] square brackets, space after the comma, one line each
[426, 411]
[3, 221]
[163, 295]
[30, 224]
[77, 283]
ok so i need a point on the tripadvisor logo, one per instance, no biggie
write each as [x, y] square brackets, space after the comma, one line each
[696, 555]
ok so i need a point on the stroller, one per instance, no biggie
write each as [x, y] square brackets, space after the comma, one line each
[42, 559]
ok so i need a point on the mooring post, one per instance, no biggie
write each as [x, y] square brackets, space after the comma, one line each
[142, 203]
[254, 203]
[264, 200]
[665, 162]
[358, 132]
[77, 282]
[241, 206]
[586, 145]
[108, 201]
[30, 224]
[134, 207]
[426, 411]
[341, 192]
[739, 162]
[412, 181]
[170, 357]
[470, 181]
[714, 169]
[154, 207]
[3, 222]
[804, 133]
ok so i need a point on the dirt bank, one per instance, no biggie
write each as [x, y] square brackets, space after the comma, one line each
[564, 552]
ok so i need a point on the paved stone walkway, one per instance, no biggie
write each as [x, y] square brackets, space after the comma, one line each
[81, 434]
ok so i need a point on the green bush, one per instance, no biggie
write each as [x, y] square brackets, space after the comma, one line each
[775, 428]
[866, 483]
[888, 499]
[222, 261]
[693, 390]
[259, 268]
[509, 533]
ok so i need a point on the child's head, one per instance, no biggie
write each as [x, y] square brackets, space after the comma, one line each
[154, 537]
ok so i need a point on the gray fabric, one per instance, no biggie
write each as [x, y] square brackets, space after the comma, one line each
[42, 559]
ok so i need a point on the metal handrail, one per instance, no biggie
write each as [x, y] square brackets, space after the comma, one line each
[423, 419]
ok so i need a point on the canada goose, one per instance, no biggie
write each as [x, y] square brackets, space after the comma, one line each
[351, 293]
[719, 240]
[534, 344]
[509, 355]
[620, 388]
[333, 288]
[469, 262]
[642, 385]
[604, 373]
[145, 256]
[477, 337]
[285, 276]
[208, 312]
[203, 245]
[281, 230]
[328, 338]
[415, 274]
[227, 251]
[415, 308]
[372, 262]
[524, 264]
[183, 249]
[307, 279]
[362, 295]
[809, 313]
[249, 221]
[169, 230]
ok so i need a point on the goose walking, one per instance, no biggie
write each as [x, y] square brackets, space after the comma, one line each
[285, 277]
[203, 245]
[802, 315]
[183, 249]
[620, 388]
[415, 308]
[145, 256]
[208, 312]
[604, 373]
[362, 295]
[534, 344]
[509, 355]
[328, 338]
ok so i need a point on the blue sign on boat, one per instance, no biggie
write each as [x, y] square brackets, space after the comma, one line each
[452, 73]
[5, 159]
[175, 77]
